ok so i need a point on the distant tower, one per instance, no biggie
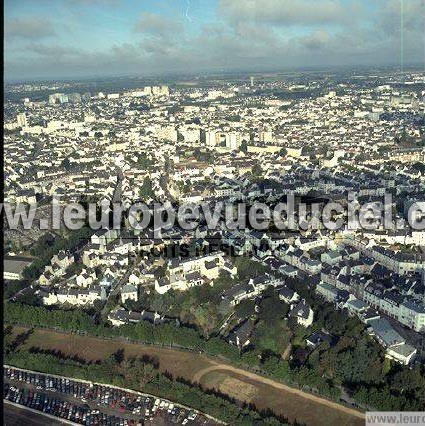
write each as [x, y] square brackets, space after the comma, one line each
[252, 81]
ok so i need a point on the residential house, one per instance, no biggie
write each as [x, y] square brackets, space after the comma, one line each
[319, 337]
[129, 292]
[240, 336]
[288, 296]
[395, 346]
[302, 313]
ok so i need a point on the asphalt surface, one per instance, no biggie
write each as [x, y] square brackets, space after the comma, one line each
[14, 416]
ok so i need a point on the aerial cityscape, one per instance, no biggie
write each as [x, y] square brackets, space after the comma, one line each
[214, 226]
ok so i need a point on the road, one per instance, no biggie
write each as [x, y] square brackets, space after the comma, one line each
[22, 292]
[115, 289]
[118, 188]
[165, 178]
[14, 416]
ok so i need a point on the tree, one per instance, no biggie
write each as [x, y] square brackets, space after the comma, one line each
[248, 268]
[272, 309]
[273, 336]
[245, 308]
[146, 190]
[144, 162]
[257, 171]
[118, 356]
[233, 117]
[66, 164]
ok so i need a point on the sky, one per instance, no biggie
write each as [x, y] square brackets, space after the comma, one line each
[96, 38]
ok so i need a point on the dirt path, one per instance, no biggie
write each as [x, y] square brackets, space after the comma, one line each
[287, 352]
[255, 377]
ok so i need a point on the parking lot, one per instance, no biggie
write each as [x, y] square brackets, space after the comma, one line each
[87, 403]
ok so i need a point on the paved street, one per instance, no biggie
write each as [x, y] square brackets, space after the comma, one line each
[14, 416]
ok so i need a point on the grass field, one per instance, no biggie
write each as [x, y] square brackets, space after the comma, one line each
[179, 363]
[263, 396]
[210, 373]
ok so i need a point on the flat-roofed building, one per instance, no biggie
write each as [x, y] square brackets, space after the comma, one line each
[13, 267]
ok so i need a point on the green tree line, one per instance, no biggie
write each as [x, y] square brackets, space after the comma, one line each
[355, 363]
[143, 375]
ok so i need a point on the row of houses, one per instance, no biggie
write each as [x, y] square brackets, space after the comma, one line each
[182, 274]
[58, 265]
[399, 262]
[407, 311]
[250, 289]
[74, 296]
[299, 259]
[120, 316]
[395, 346]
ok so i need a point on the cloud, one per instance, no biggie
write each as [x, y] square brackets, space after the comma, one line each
[289, 12]
[28, 28]
[243, 35]
[53, 51]
[158, 26]
[96, 2]
[390, 13]
[316, 40]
